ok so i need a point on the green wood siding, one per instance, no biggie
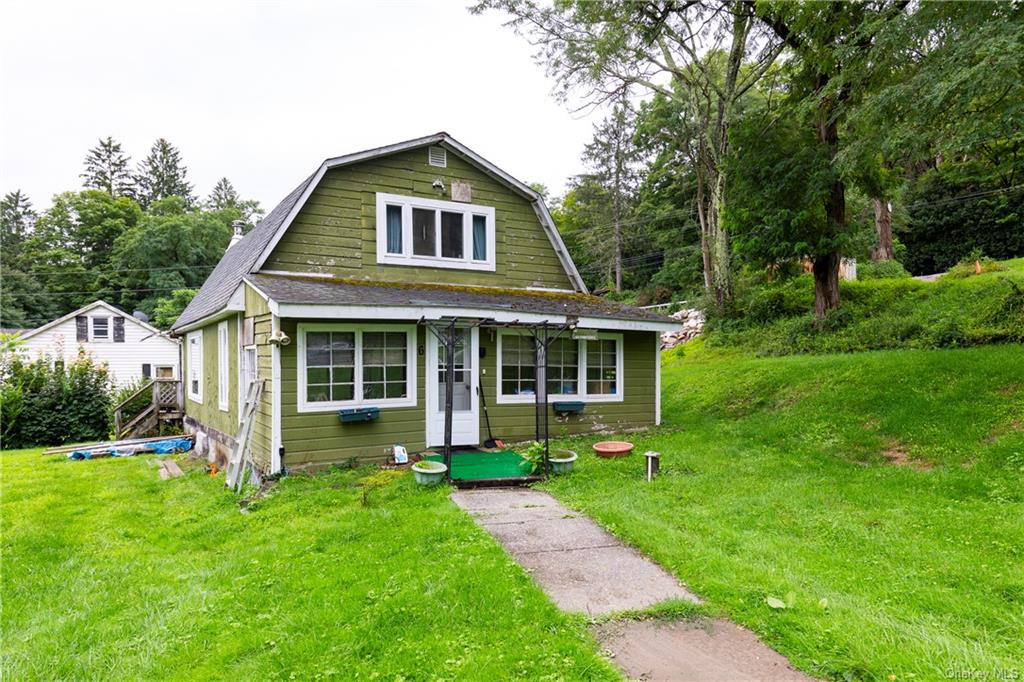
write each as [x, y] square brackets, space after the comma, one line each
[208, 412]
[516, 422]
[335, 232]
[317, 439]
[262, 432]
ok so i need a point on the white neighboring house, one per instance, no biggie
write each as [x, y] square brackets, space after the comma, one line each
[131, 348]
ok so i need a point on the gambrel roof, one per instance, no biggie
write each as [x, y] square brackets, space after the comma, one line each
[248, 255]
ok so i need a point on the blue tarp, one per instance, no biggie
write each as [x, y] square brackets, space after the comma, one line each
[161, 447]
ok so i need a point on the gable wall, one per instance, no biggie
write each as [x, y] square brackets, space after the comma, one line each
[335, 232]
[124, 360]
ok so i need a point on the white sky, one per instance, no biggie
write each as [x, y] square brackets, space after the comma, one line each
[263, 92]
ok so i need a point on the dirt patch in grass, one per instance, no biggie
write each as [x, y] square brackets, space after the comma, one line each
[1009, 389]
[895, 453]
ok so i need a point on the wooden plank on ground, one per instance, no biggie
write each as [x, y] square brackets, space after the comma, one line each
[107, 444]
[172, 467]
[164, 473]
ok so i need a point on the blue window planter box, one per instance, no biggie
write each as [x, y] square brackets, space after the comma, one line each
[358, 414]
[568, 406]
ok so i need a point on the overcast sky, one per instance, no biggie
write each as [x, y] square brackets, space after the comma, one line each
[263, 92]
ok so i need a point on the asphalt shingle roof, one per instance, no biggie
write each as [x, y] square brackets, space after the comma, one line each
[237, 262]
[294, 290]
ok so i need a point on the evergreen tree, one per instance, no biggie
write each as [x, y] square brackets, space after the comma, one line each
[16, 222]
[23, 303]
[106, 169]
[223, 196]
[162, 174]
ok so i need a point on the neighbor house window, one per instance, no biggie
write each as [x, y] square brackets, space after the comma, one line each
[223, 370]
[100, 328]
[577, 369]
[434, 233]
[356, 365]
[164, 372]
[194, 342]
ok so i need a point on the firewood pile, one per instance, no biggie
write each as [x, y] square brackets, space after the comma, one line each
[693, 325]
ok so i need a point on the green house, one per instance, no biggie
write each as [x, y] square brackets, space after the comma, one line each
[335, 299]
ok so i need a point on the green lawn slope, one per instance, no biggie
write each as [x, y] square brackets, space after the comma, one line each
[879, 495]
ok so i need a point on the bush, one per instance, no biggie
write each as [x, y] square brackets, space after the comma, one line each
[885, 269]
[47, 403]
[974, 263]
[774, 319]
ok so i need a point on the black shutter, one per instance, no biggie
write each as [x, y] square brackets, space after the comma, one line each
[147, 371]
[118, 330]
[82, 327]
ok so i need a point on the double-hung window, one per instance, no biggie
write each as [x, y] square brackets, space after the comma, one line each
[433, 233]
[576, 369]
[100, 328]
[356, 365]
[194, 343]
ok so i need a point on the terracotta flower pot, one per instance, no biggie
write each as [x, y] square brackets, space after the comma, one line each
[613, 448]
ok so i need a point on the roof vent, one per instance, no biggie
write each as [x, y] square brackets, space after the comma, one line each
[437, 156]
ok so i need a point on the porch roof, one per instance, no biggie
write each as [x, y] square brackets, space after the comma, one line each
[306, 297]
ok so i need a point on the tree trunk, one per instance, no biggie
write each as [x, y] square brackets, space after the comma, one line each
[721, 268]
[883, 229]
[618, 256]
[705, 245]
[826, 268]
[826, 283]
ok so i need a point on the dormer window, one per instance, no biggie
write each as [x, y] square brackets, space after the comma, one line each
[434, 233]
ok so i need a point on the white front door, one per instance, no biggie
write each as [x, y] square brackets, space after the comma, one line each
[465, 401]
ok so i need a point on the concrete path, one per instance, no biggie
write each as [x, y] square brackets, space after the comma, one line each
[692, 651]
[584, 568]
[580, 566]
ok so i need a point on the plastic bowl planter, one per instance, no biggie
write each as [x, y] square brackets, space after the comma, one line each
[429, 473]
[613, 448]
[562, 461]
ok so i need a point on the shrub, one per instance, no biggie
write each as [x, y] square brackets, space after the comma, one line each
[50, 403]
[886, 269]
[974, 263]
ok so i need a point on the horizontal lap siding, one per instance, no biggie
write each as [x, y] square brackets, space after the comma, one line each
[516, 422]
[335, 232]
[318, 438]
[208, 412]
[262, 432]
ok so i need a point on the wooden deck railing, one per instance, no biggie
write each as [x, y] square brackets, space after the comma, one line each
[166, 403]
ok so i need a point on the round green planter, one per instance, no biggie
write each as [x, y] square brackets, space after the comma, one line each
[562, 462]
[429, 473]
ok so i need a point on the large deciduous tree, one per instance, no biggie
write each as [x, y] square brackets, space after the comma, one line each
[106, 169]
[713, 51]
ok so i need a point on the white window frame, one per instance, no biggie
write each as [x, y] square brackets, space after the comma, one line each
[581, 377]
[223, 367]
[332, 405]
[407, 257]
[194, 368]
[92, 329]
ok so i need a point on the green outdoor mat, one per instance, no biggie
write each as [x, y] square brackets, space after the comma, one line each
[479, 466]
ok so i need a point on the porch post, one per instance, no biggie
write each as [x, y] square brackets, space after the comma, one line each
[449, 394]
[541, 390]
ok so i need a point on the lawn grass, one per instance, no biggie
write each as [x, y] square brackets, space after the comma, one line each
[111, 573]
[880, 494]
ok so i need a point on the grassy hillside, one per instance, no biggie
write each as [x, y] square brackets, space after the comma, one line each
[956, 311]
[879, 494]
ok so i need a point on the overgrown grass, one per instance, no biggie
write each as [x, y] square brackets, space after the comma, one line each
[774, 319]
[111, 573]
[881, 493]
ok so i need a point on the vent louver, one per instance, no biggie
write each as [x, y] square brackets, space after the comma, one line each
[437, 156]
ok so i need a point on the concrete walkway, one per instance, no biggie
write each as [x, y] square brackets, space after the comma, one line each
[584, 568]
[580, 565]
